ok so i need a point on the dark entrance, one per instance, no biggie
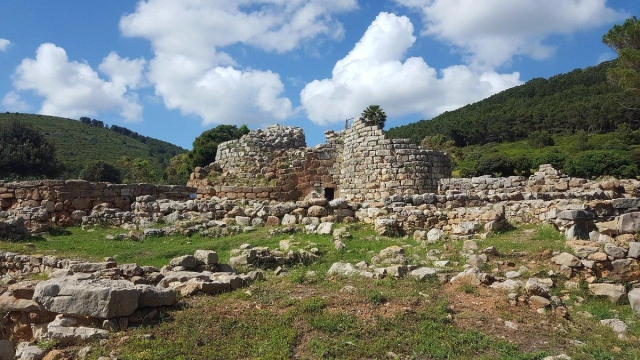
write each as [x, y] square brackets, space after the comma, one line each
[329, 193]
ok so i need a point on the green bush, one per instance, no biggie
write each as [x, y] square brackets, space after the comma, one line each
[100, 171]
[556, 159]
[494, 164]
[593, 163]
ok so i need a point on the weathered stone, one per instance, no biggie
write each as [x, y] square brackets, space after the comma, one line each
[618, 326]
[472, 276]
[29, 351]
[613, 292]
[91, 267]
[629, 223]
[477, 260]
[539, 287]
[317, 211]
[579, 230]
[324, 228]
[466, 228]
[22, 289]
[539, 301]
[387, 227]
[186, 261]
[566, 259]
[62, 329]
[435, 235]
[156, 296]
[623, 270]
[576, 215]
[634, 250]
[392, 255]
[206, 257]
[583, 249]
[634, 300]
[10, 303]
[422, 273]
[98, 298]
[614, 251]
[344, 269]
[626, 203]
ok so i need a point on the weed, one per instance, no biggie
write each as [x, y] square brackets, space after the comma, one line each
[377, 298]
[470, 289]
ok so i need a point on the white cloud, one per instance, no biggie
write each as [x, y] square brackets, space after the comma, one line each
[73, 89]
[492, 32]
[12, 102]
[4, 44]
[192, 72]
[374, 73]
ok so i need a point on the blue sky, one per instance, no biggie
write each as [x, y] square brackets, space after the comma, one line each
[172, 69]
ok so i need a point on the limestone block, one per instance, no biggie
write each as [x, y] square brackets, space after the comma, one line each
[613, 292]
[629, 223]
[98, 298]
[206, 257]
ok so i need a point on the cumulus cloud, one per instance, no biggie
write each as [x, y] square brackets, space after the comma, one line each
[374, 73]
[492, 32]
[4, 44]
[192, 72]
[12, 102]
[73, 89]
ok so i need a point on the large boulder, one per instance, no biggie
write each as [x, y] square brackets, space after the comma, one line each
[99, 298]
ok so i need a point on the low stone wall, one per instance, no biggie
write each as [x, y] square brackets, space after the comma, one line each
[66, 201]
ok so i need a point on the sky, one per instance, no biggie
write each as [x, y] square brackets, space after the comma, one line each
[171, 69]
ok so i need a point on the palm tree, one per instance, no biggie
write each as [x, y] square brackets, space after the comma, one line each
[374, 115]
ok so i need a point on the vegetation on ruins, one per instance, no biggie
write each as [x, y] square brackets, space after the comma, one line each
[99, 170]
[25, 153]
[205, 146]
[374, 115]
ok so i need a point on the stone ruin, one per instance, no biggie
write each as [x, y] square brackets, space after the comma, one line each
[357, 164]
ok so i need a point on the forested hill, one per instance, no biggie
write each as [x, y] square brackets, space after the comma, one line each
[579, 100]
[79, 143]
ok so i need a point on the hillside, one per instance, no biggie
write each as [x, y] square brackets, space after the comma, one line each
[78, 143]
[563, 104]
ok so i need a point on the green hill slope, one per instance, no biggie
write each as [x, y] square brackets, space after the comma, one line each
[78, 144]
[563, 104]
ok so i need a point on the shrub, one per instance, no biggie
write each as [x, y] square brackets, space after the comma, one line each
[593, 163]
[556, 159]
[494, 164]
[100, 171]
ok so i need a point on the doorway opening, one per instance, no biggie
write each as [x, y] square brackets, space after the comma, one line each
[329, 193]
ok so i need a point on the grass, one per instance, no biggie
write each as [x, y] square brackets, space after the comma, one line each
[311, 316]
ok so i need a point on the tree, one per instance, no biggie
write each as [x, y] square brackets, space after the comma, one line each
[138, 170]
[178, 171]
[25, 153]
[100, 171]
[374, 115]
[625, 40]
[205, 146]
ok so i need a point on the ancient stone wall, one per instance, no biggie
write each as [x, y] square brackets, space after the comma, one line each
[357, 164]
[67, 200]
[375, 167]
